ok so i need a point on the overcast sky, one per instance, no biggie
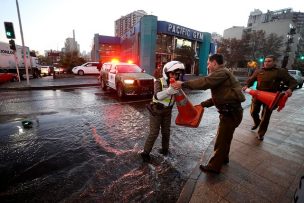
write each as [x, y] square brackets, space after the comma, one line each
[47, 23]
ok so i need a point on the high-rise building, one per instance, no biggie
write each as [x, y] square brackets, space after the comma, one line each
[71, 44]
[125, 23]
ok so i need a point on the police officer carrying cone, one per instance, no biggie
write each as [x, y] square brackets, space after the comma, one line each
[270, 79]
[227, 96]
[161, 108]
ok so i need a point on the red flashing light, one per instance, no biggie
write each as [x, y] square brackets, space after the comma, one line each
[115, 60]
[130, 61]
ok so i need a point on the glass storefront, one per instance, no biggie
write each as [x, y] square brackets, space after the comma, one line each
[165, 50]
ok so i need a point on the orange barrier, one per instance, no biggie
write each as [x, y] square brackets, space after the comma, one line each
[188, 115]
[271, 99]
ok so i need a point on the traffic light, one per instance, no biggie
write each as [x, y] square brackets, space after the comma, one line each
[261, 59]
[9, 30]
[302, 57]
[12, 44]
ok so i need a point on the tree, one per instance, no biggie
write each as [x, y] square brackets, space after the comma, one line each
[272, 45]
[69, 60]
[233, 50]
[253, 46]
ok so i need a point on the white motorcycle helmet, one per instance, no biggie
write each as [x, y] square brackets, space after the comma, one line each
[172, 66]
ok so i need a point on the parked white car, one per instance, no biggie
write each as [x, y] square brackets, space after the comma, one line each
[87, 68]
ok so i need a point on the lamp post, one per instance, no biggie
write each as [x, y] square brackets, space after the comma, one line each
[292, 31]
[24, 51]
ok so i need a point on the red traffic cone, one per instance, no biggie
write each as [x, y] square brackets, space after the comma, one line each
[271, 99]
[188, 115]
[282, 102]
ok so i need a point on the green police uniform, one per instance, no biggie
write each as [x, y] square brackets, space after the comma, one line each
[269, 80]
[227, 96]
[160, 118]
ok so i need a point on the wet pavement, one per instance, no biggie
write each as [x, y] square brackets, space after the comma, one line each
[48, 82]
[84, 146]
[267, 171]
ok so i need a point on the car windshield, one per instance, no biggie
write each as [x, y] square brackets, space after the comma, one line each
[128, 69]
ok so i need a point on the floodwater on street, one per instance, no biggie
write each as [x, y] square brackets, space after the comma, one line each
[84, 146]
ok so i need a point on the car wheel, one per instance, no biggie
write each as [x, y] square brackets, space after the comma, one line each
[80, 72]
[300, 85]
[120, 91]
[103, 84]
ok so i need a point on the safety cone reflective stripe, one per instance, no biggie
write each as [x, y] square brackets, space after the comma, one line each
[271, 99]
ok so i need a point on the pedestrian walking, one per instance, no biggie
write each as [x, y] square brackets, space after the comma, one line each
[226, 96]
[270, 79]
[161, 109]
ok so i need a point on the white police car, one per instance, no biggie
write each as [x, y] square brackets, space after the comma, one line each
[126, 79]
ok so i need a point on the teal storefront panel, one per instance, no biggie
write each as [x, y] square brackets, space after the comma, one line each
[148, 32]
[204, 54]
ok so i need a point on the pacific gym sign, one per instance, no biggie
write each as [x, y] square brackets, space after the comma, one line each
[180, 31]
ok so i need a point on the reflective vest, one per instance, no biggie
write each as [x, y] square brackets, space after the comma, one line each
[169, 100]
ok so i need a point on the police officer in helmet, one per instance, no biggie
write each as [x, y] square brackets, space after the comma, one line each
[161, 108]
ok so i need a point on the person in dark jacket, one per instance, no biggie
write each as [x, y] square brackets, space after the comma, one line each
[226, 96]
[269, 79]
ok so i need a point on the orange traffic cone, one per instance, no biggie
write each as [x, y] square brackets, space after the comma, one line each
[188, 115]
[282, 102]
[272, 100]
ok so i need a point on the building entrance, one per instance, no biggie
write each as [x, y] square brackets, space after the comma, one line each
[162, 58]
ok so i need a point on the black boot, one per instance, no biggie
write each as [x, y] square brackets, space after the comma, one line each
[145, 156]
[163, 152]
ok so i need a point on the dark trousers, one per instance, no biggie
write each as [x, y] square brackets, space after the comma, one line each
[265, 116]
[228, 123]
[160, 121]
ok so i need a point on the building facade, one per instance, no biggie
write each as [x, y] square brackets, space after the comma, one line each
[282, 22]
[71, 45]
[234, 32]
[151, 42]
[125, 23]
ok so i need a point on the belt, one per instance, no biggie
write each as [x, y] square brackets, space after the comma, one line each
[227, 108]
[161, 106]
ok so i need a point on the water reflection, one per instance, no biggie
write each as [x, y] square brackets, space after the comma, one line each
[84, 147]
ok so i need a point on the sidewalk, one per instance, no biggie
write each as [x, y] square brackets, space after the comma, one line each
[259, 171]
[49, 82]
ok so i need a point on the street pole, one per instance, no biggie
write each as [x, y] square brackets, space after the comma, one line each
[24, 51]
[16, 61]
